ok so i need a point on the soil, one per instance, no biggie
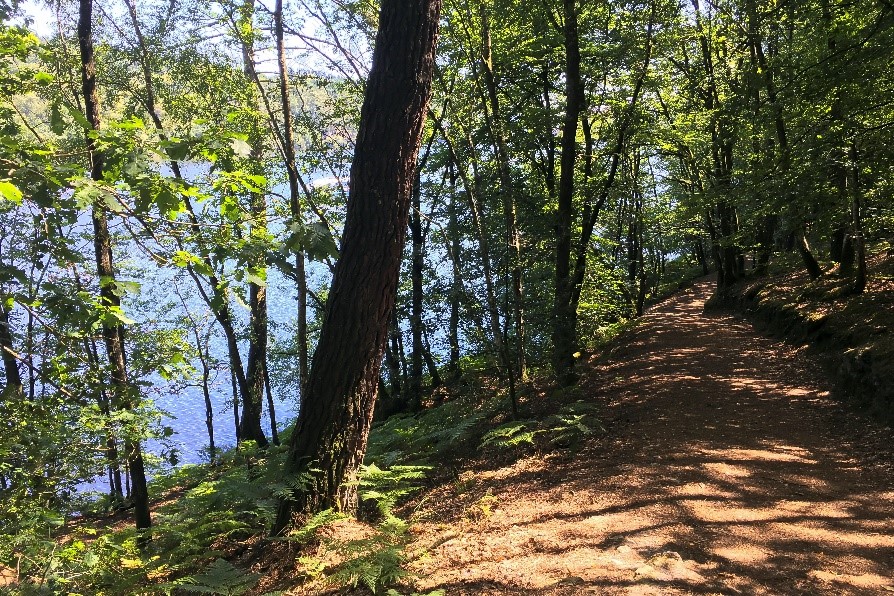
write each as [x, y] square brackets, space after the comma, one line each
[726, 468]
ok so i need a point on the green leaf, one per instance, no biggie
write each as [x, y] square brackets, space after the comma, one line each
[177, 149]
[168, 203]
[79, 118]
[182, 258]
[57, 122]
[255, 279]
[314, 239]
[221, 578]
[132, 123]
[230, 208]
[43, 78]
[117, 314]
[126, 287]
[10, 192]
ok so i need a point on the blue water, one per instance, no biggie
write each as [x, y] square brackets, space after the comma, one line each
[180, 399]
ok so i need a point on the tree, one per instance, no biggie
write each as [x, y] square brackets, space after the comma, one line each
[564, 331]
[329, 440]
[109, 295]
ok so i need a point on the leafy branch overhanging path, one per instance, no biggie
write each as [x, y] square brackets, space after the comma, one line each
[727, 469]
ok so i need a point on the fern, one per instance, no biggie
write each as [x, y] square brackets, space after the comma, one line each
[306, 532]
[220, 578]
[566, 428]
[386, 487]
[375, 562]
[573, 422]
[431, 433]
[510, 435]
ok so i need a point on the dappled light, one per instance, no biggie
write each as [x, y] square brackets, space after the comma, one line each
[435, 298]
[723, 472]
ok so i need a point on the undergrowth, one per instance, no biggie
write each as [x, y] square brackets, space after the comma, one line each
[564, 429]
[207, 507]
[205, 512]
[430, 435]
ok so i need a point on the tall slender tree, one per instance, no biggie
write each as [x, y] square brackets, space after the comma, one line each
[109, 295]
[564, 332]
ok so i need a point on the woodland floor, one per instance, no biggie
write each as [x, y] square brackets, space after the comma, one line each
[726, 468]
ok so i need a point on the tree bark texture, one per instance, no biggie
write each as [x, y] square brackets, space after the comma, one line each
[329, 441]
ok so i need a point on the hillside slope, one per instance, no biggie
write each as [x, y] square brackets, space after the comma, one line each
[726, 468]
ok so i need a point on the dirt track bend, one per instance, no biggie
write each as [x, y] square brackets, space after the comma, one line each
[726, 469]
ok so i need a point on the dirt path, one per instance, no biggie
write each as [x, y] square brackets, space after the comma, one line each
[726, 469]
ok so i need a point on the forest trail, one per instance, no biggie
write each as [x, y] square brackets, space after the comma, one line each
[726, 469]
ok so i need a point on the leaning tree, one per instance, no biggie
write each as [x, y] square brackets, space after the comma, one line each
[329, 440]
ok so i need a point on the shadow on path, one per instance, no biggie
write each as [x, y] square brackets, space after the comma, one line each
[726, 469]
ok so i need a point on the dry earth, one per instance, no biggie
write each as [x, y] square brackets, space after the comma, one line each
[726, 468]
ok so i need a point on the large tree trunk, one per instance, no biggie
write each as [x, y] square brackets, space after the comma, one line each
[564, 334]
[113, 335]
[329, 441]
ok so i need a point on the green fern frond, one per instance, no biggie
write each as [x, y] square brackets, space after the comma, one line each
[220, 578]
[306, 532]
[509, 435]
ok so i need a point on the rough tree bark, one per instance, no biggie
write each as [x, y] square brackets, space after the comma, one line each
[329, 441]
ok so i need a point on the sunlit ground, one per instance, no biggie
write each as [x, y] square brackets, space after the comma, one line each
[725, 471]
